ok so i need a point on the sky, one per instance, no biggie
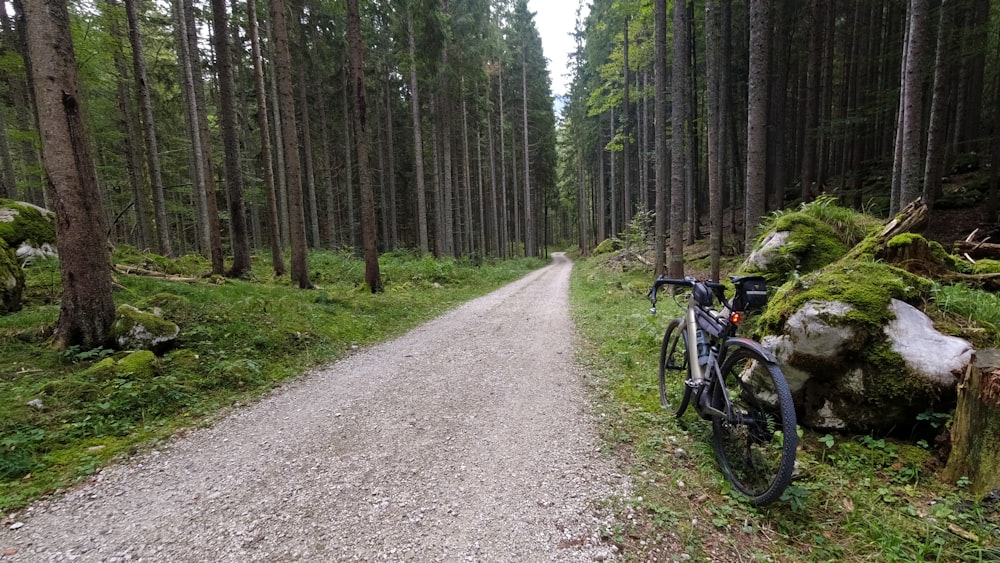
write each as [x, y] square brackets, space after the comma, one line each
[556, 20]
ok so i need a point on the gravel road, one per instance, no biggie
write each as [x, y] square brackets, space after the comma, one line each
[469, 438]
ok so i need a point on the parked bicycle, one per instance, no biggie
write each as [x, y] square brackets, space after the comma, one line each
[734, 382]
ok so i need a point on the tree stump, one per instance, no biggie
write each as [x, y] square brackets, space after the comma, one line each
[975, 429]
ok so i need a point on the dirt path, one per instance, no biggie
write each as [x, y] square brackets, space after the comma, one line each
[467, 439]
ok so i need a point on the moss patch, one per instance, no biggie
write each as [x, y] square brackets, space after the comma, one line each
[20, 222]
[866, 285]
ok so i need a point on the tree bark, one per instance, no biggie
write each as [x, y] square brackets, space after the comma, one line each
[231, 143]
[286, 100]
[530, 245]
[678, 201]
[368, 226]
[660, 126]
[273, 222]
[418, 143]
[911, 165]
[87, 308]
[975, 428]
[149, 131]
[760, 54]
[937, 131]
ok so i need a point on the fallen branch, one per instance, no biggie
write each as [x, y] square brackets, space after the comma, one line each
[136, 271]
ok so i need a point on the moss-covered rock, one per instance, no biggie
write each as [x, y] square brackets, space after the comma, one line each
[140, 364]
[21, 222]
[807, 239]
[11, 280]
[136, 330]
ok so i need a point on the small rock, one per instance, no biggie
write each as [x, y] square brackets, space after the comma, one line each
[37, 403]
[17, 525]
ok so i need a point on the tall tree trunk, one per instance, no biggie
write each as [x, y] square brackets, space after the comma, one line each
[675, 265]
[504, 210]
[164, 245]
[231, 143]
[133, 152]
[273, 221]
[812, 104]
[660, 110]
[627, 139]
[530, 244]
[418, 143]
[352, 223]
[286, 100]
[393, 241]
[937, 131]
[372, 275]
[196, 160]
[87, 309]
[469, 243]
[713, 54]
[304, 86]
[911, 172]
[760, 55]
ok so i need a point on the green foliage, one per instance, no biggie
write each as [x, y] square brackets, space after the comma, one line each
[976, 306]
[864, 498]
[63, 414]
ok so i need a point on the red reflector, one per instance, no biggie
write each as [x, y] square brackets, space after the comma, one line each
[735, 318]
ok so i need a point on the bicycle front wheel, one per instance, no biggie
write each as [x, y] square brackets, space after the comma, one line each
[673, 360]
[756, 443]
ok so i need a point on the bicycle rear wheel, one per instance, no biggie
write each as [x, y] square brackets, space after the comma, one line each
[673, 360]
[756, 445]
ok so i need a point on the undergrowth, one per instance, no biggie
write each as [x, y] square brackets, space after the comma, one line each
[853, 498]
[65, 414]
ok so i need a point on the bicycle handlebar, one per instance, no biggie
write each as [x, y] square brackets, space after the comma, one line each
[689, 281]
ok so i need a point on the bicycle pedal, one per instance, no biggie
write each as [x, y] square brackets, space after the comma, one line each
[695, 384]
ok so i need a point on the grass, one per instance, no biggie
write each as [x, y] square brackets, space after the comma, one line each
[65, 414]
[854, 498]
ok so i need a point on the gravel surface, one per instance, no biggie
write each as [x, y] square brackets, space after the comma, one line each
[468, 439]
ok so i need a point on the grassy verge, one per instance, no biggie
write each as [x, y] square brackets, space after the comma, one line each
[62, 417]
[854, 498]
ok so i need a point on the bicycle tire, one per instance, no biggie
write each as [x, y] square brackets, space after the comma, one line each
[673, 357]
[756, 446]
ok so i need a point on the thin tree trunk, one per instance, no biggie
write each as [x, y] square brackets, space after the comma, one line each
[418, 143]
[308, 162]
[149, 131]
[937, 131]
[660, 121]
[133, 153]
[286, 99]
[712, 62]
[273, 222]
[530, 244]
[230, 139]
[352, 223]
[626, 140]
[760, 47]
[675, 264]
[393, 241]
[201, 111]
[911, 172]
[368, 234]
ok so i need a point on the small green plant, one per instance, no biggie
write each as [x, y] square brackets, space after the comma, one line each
[76, 354]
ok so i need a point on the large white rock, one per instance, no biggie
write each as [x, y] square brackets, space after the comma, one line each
[927, 352]
[825, 359]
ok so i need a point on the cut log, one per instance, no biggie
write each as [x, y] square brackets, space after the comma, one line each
[975, 428]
